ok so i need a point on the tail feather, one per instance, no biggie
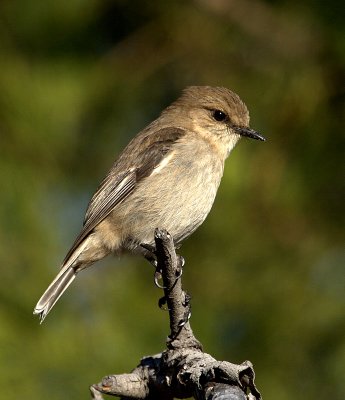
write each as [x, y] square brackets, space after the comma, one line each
[64, 278]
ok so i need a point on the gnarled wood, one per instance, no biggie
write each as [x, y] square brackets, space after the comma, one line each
[183, 369]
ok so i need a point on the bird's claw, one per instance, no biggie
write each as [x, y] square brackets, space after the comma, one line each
[157, 278]
[149, 253]
[179, 269]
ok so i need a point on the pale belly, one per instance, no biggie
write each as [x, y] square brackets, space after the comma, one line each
[177, 201]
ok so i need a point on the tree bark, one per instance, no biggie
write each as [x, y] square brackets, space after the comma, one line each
[182, 370]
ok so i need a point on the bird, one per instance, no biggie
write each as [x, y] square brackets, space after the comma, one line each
[166, 177]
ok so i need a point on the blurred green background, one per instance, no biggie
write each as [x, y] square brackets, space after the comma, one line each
[78, 79]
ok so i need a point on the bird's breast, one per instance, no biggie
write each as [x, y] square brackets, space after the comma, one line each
[176, 196]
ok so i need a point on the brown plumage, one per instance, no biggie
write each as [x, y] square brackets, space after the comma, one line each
[166, 177]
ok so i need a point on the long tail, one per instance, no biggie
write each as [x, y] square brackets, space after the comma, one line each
[64, 278]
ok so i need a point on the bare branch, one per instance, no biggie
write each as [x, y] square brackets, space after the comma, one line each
[178, 302]
[183, 369]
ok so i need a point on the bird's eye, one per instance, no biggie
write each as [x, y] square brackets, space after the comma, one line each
[219, 115]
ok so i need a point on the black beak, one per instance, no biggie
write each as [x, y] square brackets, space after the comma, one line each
[248, 132]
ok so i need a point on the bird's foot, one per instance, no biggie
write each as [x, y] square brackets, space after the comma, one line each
[158, 278]
[149, 252]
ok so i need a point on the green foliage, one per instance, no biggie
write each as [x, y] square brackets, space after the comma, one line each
[77, 80]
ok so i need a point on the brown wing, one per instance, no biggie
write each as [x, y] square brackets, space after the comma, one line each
[133, 165]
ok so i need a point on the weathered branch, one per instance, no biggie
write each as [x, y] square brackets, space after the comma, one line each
[177, 301]
[183, 369]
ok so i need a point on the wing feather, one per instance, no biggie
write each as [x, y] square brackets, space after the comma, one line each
[124, 176]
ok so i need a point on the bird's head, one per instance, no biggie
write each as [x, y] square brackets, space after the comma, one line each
[216, 112]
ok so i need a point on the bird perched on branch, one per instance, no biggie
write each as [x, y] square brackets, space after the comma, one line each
[166, 177]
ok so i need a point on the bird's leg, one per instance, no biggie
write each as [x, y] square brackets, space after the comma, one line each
[149, 252]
